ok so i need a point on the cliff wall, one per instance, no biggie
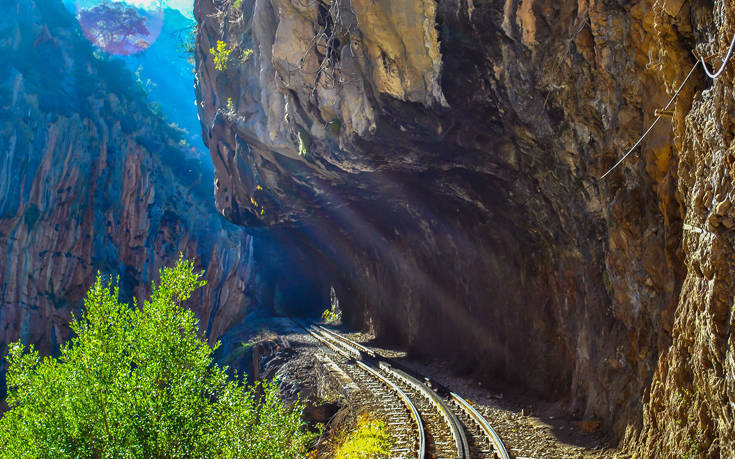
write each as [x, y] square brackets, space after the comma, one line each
[441, 162]
[92, 181]
[692, 396]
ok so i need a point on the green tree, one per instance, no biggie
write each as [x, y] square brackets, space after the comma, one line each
[141, 382]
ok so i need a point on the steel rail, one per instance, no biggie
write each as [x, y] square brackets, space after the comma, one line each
[455, 427]
[484, 425]
[406, 401]
[350, 354]
[347, 341]
[354, 350]
[460, 440]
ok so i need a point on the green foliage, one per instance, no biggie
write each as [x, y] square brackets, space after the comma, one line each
[369, 439]
[221, 55]
[304, 141]
[329, 316]
[246, 55]
[334, 313]
[237, 4]
[693, 451]
[687, 402]
[141, 383]
[188, 45]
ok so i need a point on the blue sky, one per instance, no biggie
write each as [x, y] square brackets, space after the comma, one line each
[185, 6]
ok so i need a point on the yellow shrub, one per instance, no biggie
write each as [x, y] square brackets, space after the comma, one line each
[370, 439]
[221, 55]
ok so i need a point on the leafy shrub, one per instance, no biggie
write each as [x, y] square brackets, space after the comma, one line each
[334, 313]
[141, 383]
[188, 45]
[369, 439]
[221, 55]
[329, 316]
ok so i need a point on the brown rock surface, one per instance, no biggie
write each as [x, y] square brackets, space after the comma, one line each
[451, 195]
[689, 412]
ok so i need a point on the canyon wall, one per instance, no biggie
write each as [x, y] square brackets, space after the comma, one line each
[690, 409]
[93, 181]
[440, 161]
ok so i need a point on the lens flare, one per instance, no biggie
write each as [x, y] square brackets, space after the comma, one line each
[121, 27]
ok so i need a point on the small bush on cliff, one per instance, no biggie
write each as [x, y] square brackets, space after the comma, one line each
[334, 313]
[188, 45]
[140, 383]
[329, 316]
[220, 55]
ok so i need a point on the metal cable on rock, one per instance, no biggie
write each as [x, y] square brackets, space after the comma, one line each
[724, 62]
[658, 118]
[681, 86]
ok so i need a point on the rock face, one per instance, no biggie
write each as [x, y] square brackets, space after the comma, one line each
[93, 181]
[440, 160]
[690, 410]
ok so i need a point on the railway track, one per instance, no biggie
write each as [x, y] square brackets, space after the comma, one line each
[422, 423]
[386, 400]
